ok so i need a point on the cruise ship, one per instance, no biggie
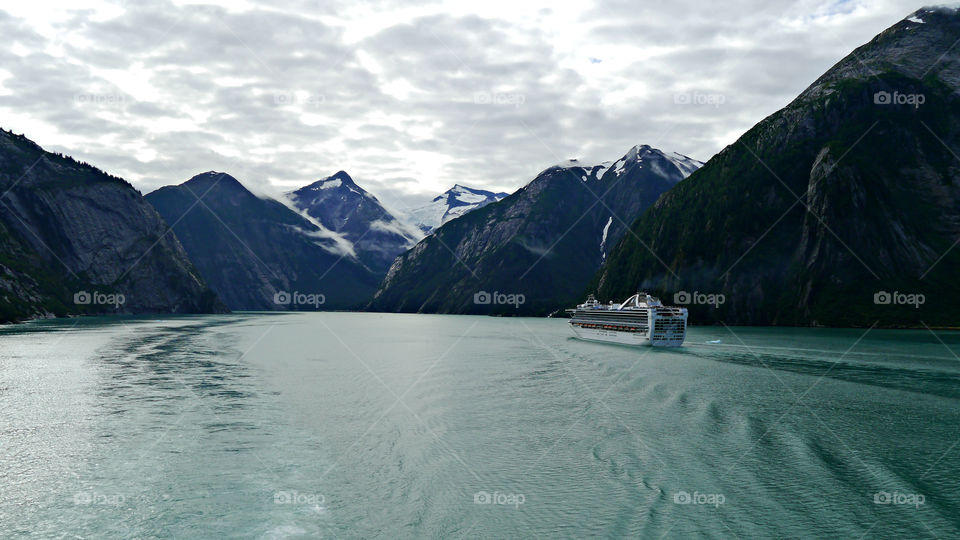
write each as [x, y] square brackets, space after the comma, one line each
[640, 320]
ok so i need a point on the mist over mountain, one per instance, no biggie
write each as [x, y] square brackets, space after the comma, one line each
[342, 206]
[256, 252]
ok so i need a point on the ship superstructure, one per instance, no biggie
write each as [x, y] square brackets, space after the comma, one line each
[641, 319]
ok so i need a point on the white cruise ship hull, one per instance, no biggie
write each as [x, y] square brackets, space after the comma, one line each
[611, 336]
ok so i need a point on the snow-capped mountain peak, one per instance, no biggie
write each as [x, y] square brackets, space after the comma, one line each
[451, 204]
[571, 163]
[340, 205]
[339, 180]
[667, 164]
[591, 171]
[664, 163]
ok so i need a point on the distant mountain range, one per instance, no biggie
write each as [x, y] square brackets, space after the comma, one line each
[542, 243]
[331, 239]
[842, 208]
[451, 204]
[75, 240]
[256, 253]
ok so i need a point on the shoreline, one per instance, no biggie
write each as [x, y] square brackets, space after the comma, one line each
[921, 326]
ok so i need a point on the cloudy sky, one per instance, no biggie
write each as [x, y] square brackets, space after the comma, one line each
[408, 97]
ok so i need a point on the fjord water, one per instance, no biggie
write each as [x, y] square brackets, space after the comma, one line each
[349, 425]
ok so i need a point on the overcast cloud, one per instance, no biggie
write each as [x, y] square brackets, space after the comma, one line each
[408, 97]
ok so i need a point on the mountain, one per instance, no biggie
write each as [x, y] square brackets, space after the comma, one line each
[342, 206]
[75, 240]
[256, 253]
[451, 204]
[843, 208]
[540, 244]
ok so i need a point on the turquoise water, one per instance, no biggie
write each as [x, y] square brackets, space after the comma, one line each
[350, 425]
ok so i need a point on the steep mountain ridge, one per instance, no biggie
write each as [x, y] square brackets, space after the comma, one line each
[542, 242]
[342, 206]
[256, 252]
[72, 236]
[836, 210]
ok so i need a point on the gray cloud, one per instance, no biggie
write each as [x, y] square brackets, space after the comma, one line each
[409, 98]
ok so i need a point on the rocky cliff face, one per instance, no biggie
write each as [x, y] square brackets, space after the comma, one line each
[843, 208]
[539, 245]
[258, 254]
[74, 240]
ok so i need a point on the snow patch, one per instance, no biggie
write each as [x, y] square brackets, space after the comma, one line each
[603, 241]
[590, 170]
[600, 169]
[431, 214]
[569, 163]
[329, 185]
[618, 167]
